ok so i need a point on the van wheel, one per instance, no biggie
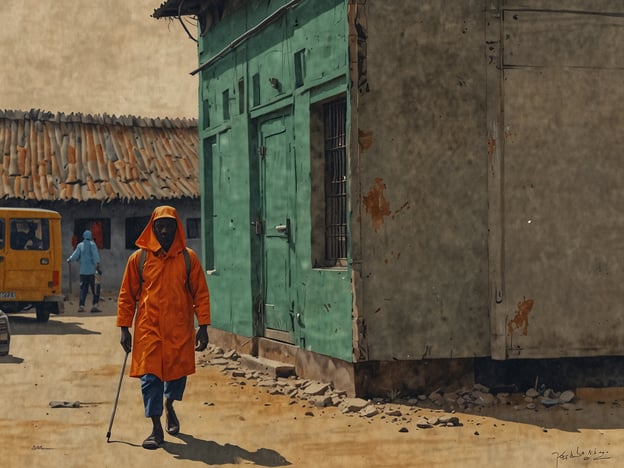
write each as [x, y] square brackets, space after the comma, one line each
[43, 313]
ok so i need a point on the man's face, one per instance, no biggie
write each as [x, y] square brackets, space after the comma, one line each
[165, 229]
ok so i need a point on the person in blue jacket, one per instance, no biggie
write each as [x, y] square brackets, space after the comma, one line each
[87, 254]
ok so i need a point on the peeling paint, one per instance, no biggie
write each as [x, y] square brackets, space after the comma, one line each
[522, 317]
[365, 140]
[359, 29]
[360, 349]
[376, 204]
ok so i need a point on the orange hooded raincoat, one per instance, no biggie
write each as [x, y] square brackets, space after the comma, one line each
[164, 329]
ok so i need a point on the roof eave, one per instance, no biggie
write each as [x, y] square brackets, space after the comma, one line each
[175, 8]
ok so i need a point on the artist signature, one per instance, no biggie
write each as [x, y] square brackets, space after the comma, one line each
[592, 454]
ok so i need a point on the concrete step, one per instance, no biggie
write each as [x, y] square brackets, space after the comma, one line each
[273, 368]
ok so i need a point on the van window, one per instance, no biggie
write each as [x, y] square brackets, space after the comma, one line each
[30, 234]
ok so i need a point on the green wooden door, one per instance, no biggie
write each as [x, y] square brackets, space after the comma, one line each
[278, 193]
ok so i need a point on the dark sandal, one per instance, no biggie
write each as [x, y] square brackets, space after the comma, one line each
[173, 425]
[154, 440]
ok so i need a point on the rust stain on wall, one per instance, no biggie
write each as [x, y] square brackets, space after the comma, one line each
[365, 140]
[394, 255]
[491, 149]
[491, 146]
[521, 320]
[376, 204]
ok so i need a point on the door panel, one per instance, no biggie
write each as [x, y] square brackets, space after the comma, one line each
[277, 186]
[562, 255]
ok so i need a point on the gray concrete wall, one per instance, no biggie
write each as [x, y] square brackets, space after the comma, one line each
[488, 179]
[559, 177]
[419, 186]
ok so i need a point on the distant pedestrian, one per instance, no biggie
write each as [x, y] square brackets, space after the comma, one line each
[89, 257]
[163, 289]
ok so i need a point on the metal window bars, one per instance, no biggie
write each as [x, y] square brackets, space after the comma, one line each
[334, 116]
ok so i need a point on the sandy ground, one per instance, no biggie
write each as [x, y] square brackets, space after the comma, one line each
[227, 421]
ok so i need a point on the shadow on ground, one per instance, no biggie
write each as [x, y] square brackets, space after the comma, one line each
[608, 414]
[212, 453]
[598, 382]
[25, 325]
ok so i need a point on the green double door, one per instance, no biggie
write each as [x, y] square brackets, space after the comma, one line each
[277, 187]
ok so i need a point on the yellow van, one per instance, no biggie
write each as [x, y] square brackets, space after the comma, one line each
[30, 261]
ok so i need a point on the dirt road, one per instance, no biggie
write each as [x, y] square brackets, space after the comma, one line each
[227, 421]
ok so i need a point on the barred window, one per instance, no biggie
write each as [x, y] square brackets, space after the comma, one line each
[334, 118]
[328, 192]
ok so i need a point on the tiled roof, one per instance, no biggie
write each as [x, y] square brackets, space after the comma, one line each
[84, 157]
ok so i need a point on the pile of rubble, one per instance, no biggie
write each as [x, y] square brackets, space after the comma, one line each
[479, 396]
[395, 408]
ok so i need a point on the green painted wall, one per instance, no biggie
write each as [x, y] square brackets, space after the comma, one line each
[306, 51]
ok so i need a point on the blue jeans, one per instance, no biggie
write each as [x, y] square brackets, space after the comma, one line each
[153, 390]
[86, 282]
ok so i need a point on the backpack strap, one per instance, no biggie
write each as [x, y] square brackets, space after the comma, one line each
[141, 265]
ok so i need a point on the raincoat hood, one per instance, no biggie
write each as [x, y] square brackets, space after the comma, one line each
[147, 239]
[87, 235]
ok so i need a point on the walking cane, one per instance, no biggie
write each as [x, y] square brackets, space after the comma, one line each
[110, 426]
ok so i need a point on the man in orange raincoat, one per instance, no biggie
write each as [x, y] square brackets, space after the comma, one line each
[161, 297]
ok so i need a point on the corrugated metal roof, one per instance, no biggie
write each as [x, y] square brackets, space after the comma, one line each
[83, 157]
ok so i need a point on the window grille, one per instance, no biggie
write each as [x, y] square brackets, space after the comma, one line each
[334, 117]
